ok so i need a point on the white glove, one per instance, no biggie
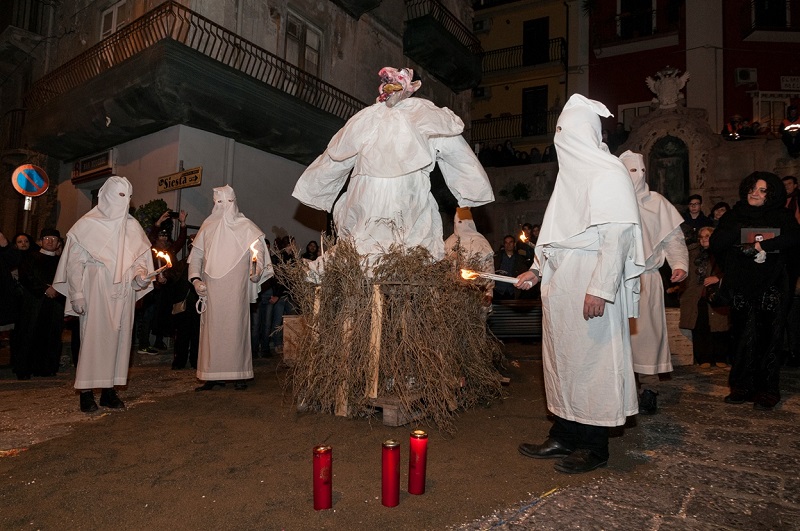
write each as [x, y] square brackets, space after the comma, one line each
[255, 277]
[200, 287]
[140, 281]
[761, 257]
[79, 306]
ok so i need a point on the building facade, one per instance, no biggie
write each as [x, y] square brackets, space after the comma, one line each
[248, 92]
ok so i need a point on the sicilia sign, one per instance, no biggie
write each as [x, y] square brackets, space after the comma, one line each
[183, 179]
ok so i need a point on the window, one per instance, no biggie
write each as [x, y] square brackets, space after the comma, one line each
[771, 13]
[769, 108]
[629, 111]
[303, 45]
[113, 19]
[636, 18]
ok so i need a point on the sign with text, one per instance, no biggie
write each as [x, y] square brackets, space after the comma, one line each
[93, 167]
[790, 82]
[183, 179]
[30, 180]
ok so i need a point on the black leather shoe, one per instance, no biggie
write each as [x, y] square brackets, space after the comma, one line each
[109, 398]
[648, 402]
[737, 397]
[580, 461]
[549, 449]
[209, 385]
[765, 402]
[88, 404]
[240, 386]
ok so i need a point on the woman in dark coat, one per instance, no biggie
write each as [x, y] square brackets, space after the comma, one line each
[709, 324]
[756, 281]
[38, 331]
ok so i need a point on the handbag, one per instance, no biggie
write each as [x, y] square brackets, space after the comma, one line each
[180, 307]
[715, 296]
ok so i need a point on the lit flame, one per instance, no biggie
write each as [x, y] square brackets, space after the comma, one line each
[254, 250]
[165, 256]
[466, 274]
[522, 237]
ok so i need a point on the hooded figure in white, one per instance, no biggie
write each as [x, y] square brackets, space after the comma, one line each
[662, 240]
[589, 255]
[227, 280]
[469, 245]
[103, 272]
[389, 150]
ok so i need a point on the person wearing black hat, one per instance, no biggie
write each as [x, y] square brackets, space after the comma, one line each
[38, 350]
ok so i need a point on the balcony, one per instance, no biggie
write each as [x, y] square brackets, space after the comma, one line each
[517, 126]
[356, 8]
[436, 40]
[173, 66]
[517, 57]
[637, 31]
[770, 21]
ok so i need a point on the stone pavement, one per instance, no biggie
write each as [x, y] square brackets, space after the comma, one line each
[699, 464]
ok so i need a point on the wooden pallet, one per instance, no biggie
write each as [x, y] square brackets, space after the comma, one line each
[392, 411]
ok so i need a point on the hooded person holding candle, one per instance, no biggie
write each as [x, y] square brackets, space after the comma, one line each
[227, 265]
[589, 256]
[103, 271]
[466, 243]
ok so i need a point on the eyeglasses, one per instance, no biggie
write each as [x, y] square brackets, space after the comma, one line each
[694, 203]
[50, 239]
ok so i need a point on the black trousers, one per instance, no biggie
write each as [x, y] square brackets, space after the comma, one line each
[187, 337]
[581, 436]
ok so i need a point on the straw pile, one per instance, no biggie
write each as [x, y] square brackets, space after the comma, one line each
[414, 332]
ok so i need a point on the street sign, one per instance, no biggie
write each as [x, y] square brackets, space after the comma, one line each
[30, 180]
[183, 179]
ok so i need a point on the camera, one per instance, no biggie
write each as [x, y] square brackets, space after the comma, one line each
[174, 214]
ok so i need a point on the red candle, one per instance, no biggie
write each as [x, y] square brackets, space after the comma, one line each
[417, 462]
[322, 478]
[390, 478]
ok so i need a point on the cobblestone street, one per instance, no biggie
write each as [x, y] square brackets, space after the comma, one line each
[226, 459]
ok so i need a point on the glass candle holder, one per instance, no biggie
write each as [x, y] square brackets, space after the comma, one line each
[390, 474]
[417, 462]
[323, 475]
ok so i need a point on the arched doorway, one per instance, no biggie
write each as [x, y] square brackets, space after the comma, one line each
[668, 169]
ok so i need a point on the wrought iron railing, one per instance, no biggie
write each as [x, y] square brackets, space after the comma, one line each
[172, 21]
[11, 129]
[770, 16]
[640, 24]
[514, 126]
[421, 8]
[518, 56]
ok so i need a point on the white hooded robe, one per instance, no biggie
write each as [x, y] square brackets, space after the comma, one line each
[221, 257]
[391, 152]
[662, 240]
[105, 250]
[590, 243]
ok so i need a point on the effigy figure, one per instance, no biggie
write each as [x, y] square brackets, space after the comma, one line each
[388, 150]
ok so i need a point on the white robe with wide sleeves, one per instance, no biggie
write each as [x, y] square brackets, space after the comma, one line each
[105, 250]
[391, 152]
[588, 374]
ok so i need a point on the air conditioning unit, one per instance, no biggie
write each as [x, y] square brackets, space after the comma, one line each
[746, 76]
[482, 93]
[481, 26]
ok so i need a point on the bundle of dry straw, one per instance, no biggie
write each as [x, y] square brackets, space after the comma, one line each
[414, 331]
